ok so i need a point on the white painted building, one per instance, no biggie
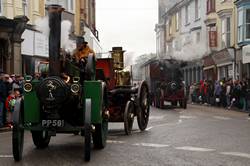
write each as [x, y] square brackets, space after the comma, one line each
[186, 36]
[191, 41]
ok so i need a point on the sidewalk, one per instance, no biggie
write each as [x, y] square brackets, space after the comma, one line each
[4, 129]
[232, 109]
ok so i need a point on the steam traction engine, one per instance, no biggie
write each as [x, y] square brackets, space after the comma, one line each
[59, 104]
[125, 101]
[165, 80]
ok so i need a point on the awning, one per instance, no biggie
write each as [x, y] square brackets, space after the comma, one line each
[209, 67]
[224, 56]
[225, 64]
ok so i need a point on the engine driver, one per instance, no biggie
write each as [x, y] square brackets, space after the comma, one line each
[81, 55]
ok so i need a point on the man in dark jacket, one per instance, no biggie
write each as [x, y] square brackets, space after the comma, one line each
[3, 96]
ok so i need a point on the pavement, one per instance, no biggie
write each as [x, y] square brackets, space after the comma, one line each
[4, 129]
[197, 136]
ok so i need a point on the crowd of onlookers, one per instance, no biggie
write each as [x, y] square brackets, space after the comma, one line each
[11, 88]
[223, 93]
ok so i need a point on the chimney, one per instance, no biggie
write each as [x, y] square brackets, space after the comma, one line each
[54, 12]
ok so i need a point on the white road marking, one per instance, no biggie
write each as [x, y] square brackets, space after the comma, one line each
[238, 154]
[151, 145]
[115, 142]
[187, 117]
[166, 124]
[190, 148]
[222, 118]
[156, 117]
[149, 128]
[6, 156]
[248, 118]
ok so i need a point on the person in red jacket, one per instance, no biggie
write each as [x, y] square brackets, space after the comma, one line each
[203, 92]
[9, 105]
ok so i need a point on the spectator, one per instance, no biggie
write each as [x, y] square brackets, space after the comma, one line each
[203, 92]
[217, 93]
[192, 91]
[9, 104]
[223, 94]
[3, 96]
[228, 93]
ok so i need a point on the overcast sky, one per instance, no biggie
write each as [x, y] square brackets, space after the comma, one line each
[127, 23]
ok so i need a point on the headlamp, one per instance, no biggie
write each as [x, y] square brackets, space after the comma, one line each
[75, 88]
[27, 87]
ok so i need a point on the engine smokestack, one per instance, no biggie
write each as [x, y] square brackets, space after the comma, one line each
[54, 12]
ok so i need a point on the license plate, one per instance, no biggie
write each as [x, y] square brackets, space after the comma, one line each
[52, 123]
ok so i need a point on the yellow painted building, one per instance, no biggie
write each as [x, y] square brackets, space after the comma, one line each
[221, 25]
[226, 23]
[33, 9]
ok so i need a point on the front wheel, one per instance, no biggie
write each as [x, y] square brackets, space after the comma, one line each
[100, 134]
[143, 107]
[87, 130]
[41, 139]
[129, 117]
[18, 131]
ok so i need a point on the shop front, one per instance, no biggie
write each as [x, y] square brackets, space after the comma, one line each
[209, 68]
[224, 60]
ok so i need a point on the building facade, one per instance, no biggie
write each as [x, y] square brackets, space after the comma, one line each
[211, 34]
[243, 35]
[186, 37]
[220, 24]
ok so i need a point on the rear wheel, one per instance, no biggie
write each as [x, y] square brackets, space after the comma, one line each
[101, 130]
[18, 131]
[129, 117]
[173, 103]
[183, 103]
[41, 139]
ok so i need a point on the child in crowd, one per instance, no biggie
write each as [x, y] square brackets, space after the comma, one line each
[9, 104]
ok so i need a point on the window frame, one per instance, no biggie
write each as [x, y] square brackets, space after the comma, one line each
[1, 8]
[246, 24]
[25, 6]
[187, 14]
[177, 20]
[71, 6]
[242, 28]
[226, 32]
[211, 6]
[170, 27]
[240, 33]
[197, 10]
